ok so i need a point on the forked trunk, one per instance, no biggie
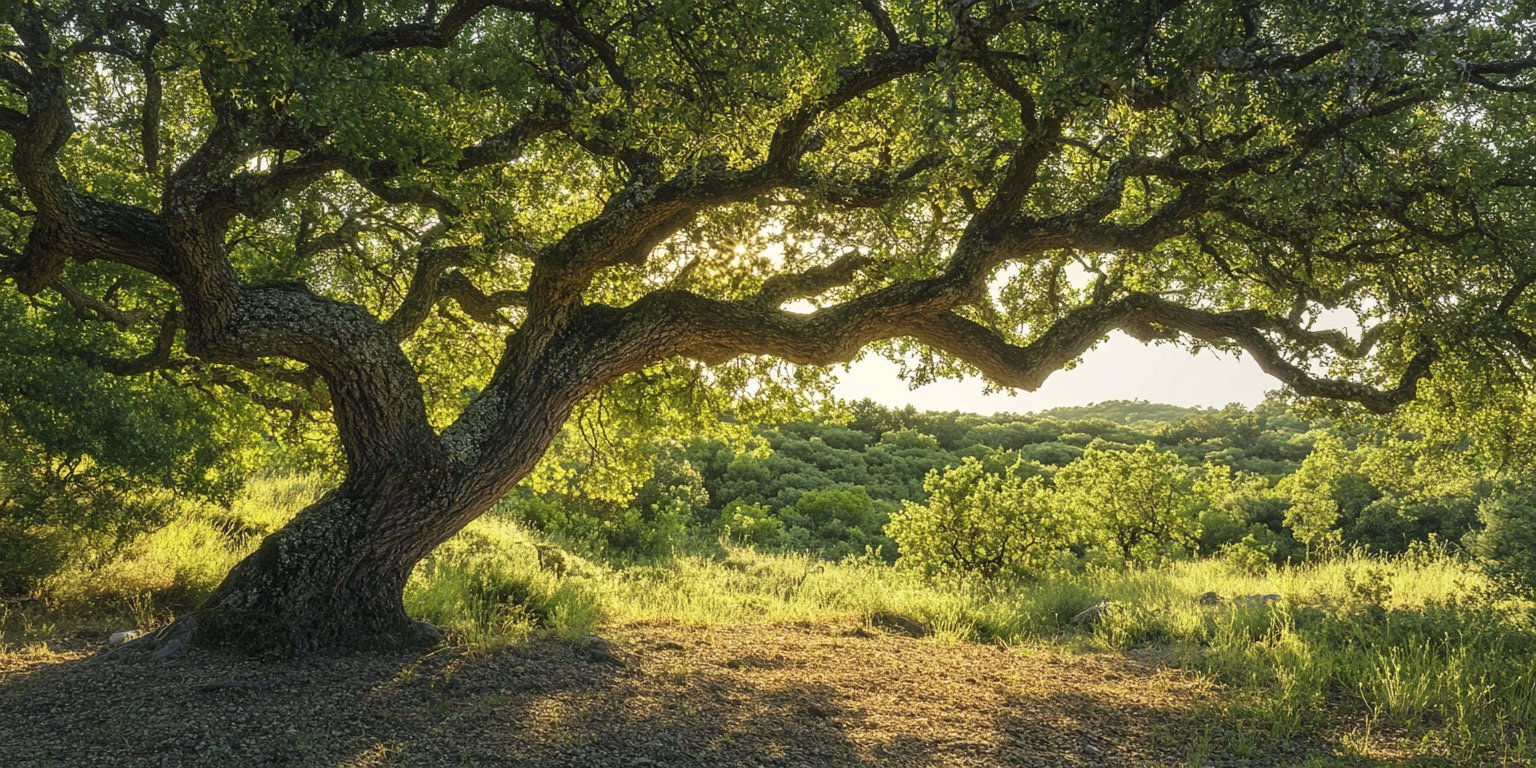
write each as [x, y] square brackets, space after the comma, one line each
[334, 577]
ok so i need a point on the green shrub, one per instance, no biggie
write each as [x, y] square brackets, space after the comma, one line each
[1251, 555]
[621, 530]
[835, 522]
[977, 522]
[1506, 542]
[752, 524]
[32, 552]
[1135, 507]
[89, 460]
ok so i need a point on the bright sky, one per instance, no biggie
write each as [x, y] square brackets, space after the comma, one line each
[1119, 369]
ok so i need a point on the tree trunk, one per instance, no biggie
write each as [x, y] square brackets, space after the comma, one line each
[335, 576]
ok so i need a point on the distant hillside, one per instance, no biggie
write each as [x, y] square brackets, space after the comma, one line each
[1123, 412]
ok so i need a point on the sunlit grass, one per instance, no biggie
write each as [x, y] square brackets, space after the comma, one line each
[1421, 645]
[162, 572]
[486, 588]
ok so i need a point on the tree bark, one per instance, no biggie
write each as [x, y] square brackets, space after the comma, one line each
[334, 577]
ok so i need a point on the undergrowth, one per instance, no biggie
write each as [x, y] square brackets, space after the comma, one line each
[1420, 648]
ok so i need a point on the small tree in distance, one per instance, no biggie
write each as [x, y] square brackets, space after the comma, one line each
[976, 522]
[1136, 507]
[1313, 516]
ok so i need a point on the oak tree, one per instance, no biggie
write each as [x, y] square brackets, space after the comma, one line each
[452, 223]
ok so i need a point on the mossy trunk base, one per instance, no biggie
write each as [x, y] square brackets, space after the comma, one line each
[333, 579]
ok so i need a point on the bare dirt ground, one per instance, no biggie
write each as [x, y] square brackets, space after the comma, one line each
[649, 695]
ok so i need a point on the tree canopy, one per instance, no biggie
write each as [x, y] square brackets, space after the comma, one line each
[451, 225]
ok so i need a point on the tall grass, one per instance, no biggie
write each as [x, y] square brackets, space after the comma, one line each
[1421, 647]
[174, 567]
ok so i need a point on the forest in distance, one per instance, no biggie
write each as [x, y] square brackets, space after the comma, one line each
[1120, 483]
[1268, 483]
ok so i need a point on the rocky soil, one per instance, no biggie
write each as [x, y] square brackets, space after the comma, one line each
[647, 695]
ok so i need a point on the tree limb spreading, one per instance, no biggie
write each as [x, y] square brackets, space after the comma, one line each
[1064, 180]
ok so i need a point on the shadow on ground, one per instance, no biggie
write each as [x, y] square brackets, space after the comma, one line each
[654, 696]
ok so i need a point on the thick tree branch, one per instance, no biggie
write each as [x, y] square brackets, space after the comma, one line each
[509, 144]
[14, 74]
[882, 21]
[227, 379]
[443, 32]
[11, 121]
[374, 389]
[1028, 366]
[1482, 74]
[479, 305]
[871, 192]
[433, 282]
[876, 70]
[813, 282]
[714, 331]
[423, 291]
[643, 215]
[255, 194]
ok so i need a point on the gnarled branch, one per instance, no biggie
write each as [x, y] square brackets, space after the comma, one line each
[1027, 366]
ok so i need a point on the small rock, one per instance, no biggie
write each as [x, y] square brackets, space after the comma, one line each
[597, 649]
[1257, 599]
[1209, 598]
[1093, 614]
[125, 636]
[898, 624]
[172, 647]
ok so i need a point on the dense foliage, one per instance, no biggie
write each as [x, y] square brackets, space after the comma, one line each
[88, 459]
[1115, 484]
[974, 521]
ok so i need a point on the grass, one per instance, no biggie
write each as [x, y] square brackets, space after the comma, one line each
[1419, 650]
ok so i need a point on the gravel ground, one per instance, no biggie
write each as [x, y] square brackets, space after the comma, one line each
[648, 695]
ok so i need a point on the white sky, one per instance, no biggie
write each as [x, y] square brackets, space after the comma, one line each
[1119, 369]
